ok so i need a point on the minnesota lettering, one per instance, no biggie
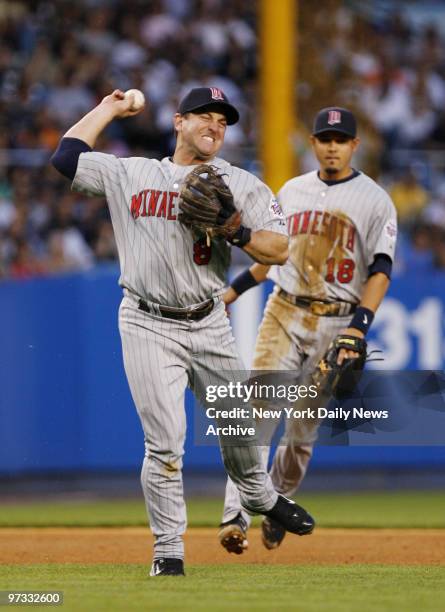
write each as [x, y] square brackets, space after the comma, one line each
[154, 203]
[322, 223]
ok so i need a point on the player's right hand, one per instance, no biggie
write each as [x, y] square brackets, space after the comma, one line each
[120, 105]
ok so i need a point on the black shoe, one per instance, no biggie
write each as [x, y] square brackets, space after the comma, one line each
[291, 516]
[233, 535]
[167, 567]
[272, 533]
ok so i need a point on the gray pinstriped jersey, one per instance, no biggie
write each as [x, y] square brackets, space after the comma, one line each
[159, 258]
[334, 233]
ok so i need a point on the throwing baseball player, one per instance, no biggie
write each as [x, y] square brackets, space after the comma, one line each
[174, 221]
[342, 229]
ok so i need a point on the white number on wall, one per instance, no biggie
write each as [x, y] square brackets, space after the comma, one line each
[399, 331]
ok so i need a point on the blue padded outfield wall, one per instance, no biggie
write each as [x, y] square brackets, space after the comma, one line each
[64, 399]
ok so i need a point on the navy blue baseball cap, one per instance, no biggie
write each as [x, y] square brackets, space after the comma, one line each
[211, 98]
[335, 119]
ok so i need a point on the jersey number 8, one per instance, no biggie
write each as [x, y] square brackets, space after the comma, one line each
[202, 252]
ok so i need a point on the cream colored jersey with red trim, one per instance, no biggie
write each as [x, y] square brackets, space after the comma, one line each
[335, 232]
[161, 261]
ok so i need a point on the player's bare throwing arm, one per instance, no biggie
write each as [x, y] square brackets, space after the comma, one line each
[171, 320]
[342, 234]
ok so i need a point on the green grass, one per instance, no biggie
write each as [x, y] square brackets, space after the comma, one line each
[247, 588]
[371, 509]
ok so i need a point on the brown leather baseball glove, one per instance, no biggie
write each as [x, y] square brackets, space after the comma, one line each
[206, 203]
[341, 380]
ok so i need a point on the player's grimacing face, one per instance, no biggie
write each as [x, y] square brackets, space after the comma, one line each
[334, 152]
[203, 133]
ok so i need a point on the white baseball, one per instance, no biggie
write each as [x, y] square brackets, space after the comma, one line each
[138, 98]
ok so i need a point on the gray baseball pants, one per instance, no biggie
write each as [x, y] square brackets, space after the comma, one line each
[162, 357]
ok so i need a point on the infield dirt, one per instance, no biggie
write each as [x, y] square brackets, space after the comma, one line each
[134, 545]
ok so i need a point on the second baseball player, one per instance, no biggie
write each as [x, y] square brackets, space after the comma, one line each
[342, 228]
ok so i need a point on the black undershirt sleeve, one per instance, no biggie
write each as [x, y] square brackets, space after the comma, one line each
[382, 263]
[66, 156]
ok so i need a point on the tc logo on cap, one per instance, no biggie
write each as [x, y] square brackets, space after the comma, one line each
[216, 93]
[334, 117]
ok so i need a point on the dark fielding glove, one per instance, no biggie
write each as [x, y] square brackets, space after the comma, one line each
[206, 204]
[341, 380]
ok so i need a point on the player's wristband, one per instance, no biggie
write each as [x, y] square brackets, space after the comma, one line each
[362, 319]
[241, 237]
[243, 282]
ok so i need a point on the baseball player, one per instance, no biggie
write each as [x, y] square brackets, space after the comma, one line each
[342, 233]
[172, 321]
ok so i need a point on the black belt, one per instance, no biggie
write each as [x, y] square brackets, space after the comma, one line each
[194, 313]
[319, 307]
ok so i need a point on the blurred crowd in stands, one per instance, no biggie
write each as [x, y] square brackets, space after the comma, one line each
[60, 58]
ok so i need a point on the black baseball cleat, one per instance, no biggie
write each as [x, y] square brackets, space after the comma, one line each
[233, 535]
[272, 533]
[291, 516]
[167, 567]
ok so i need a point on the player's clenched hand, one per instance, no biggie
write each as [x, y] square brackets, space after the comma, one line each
[345, 354]
[119, 104]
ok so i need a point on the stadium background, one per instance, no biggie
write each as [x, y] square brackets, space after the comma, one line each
[72, 517]
[64, 400]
